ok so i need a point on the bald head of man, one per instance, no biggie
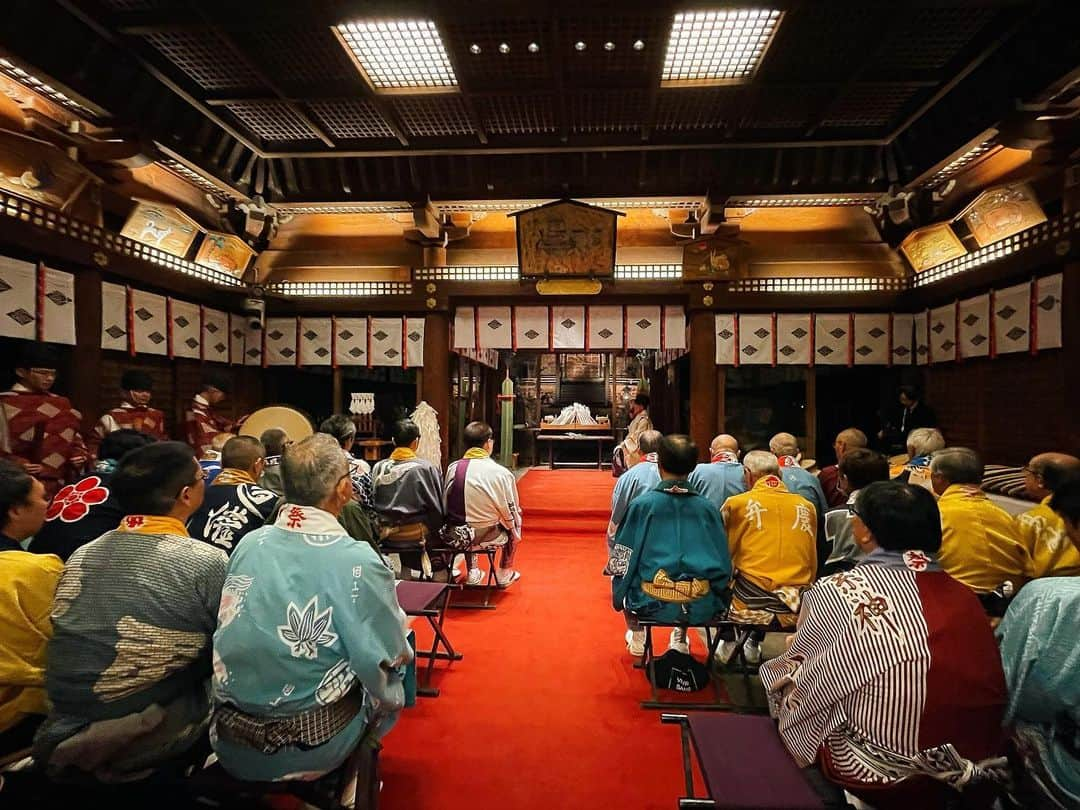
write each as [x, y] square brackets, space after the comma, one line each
[849, 439]
[784, 444]
[724, 443]
[1047, 471]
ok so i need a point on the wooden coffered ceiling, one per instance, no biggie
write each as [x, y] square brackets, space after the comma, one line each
[850, 97]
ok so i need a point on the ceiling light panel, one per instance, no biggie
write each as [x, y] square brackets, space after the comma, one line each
[718, 46]
[399, 54]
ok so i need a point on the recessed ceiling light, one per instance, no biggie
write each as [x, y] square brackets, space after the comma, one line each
[609, 46]
[579, 45]
[474, 48]
[533, 47]
[639, 45]
[717, 46]
[504, 47]
[399, 54]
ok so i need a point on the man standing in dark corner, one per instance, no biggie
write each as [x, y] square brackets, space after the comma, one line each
[913, 413]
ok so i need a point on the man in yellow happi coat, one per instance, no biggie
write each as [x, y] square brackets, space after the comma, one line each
[1041, 529]
[979, 542]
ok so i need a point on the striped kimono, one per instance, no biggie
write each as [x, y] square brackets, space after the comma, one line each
[893, 672]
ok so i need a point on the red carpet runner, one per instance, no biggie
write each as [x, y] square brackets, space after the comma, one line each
[543, 710]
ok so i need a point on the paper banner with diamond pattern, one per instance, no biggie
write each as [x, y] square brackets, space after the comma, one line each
[414, 342]
[350, 341]
[149, 325]
[215, 336]
[114, 317]
[903, 346]
[793, 333]
[1012, 319]
[280, 342]
[756, 340]
[57, 307]
[568, 325]
[922, 338]
[493, 328]
[186, 328]
[386, 342]
[316, 339]
[726, 332]
[974, 327]
[943, 346]
[237, 338]
[465, 328]
[1048, 312]
[531, 328]
[871, 345]
[673, 335]
[18, 299]
[254, 340]
[605, 327]
[832, 340]
[643, 327]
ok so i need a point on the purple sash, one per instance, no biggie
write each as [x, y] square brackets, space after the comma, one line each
[455, 497]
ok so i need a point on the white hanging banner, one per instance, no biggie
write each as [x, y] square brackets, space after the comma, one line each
[922, 338]
[1012, 319]
[568, 325]
[350, 341]
[531, 327]
[494, 328]
[974, 326]
[280, 342]
[643, 327]
[464, 328]
[726, 333]
[605, 327]
[237, 338]
[386, 342]
[316, 339]
[756, 340]
[903, 346]
[943, 334]
[149, 323]
[57, 306]
[414, 342]
[1048, 312]
[18, 299]
[253, 343]
[793, 339]
[114, 317]
[215, 336]
[871, 344]
[832, 340]
[185, 328]
[673, 335]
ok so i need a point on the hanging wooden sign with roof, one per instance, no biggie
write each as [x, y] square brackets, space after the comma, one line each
[164, 227]
[566, 238]
[721, 256]
[1000, 212]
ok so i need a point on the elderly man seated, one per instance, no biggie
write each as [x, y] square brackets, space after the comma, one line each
[234, 504]
[640, 478]
[310, 645]
[980, 545]
[1040, 528]
[723, 476]
[343, 429]
[802, 482]
[670, 559]
[771, 534]
[846, 441]
[134, 613]
[922, 443]
[407, 496]
[481, 495]
[892, 662]
[858, 468]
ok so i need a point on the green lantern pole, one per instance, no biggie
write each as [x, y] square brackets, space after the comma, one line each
[506, 421]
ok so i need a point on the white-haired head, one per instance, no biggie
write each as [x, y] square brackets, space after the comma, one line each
[924, 441]
[759, 463]
[313, 471]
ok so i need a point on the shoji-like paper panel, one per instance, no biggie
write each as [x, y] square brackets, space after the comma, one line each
[531, 326]
[605, 327]
[871, 344]
[149, 323]
[1048, 312]
[18, 299]
[726, 334]
[794, 339]
[493, 327]
[215, 335]
[943, 334]
[351, 341]
[568, 323]
[386, 345]
[58, 307]
[1012, 319]
[316, 341]
[114, 317]
[643, 327]
[832, 340]
[756, 340]
[974, 326]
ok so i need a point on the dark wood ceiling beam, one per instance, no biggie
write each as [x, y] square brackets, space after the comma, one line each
[559, 71]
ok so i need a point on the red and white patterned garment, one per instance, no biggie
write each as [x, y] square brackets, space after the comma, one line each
[146, 420]
[890, 659]
[201, 425]
[42, 428]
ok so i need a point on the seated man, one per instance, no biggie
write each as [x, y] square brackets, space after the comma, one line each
[979, 542]
[922, 443]
[27, 584]
[482, 494]
[858, 468]
[210, 460]
[771, 536]
[274, 442]
[670, 559]
[343, 429]
[406, 492]
[234, 504]
[1040, 528]
[891, 659]
[802, 482]
[85, 510]
[133, 617]
[829, 477]
[1042, 671]
[310, 645]
[723, 476]
[640, 478]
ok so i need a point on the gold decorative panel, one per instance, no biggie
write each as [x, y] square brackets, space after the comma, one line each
[930, 246]
[718, 257]
[164, 227]
[566, 238]
[1000, 212]
[224, 251]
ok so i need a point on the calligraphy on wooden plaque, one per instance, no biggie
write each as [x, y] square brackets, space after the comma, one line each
[164, 227]
[928, 247]
[717, 257]
[566, 238]
[224, 251]
[1000, 212]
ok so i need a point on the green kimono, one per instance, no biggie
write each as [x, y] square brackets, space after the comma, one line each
[670, 558]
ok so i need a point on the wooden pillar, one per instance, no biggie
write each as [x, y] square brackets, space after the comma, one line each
[436, 379]
[703, 387]
[721, 399]
[337, 391]
[811, 413]
[86, 357]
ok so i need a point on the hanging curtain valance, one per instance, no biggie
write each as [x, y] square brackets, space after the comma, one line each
[36, 302]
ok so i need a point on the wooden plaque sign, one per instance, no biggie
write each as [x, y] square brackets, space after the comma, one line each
[1001, 212]
[718, 257]
[164, 227]
[566, 238]
[930, 246]
[40, 172]
[225, 252]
